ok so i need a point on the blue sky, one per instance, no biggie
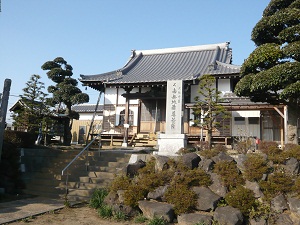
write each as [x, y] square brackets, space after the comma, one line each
[96, 36]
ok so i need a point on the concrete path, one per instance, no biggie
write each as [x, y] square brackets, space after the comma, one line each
[20, 209]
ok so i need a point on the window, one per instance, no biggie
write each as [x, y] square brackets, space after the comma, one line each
[122, 118]
[239, 120]
[253, 120]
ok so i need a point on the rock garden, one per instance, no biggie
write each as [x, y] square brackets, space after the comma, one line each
[208, 187]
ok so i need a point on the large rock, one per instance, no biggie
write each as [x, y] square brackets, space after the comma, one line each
[112, 198]
[191, 160]
[207, 200]
[258, 221]
[254, 186]
[194, 218]
[132, 169]
[240, 159]
[279, 203]
[294, 205]
[161, 162]
[217, 185]
[284, 219]
[222, 156]
[228, 215]
[157, 209]
[292, 166]
[206, 164]
[158, 193]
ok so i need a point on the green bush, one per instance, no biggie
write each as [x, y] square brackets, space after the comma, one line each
[20, 139]
[183, 199]
[157, 221]
[133, 194]
[149, 168]
[243, 146]
[255, 167]
[296, 187]
[229, 173]
[119, 216]
[276, 155]
[98, 198]
[105, 211]
[278, 182]
[140, 218]
[290, 151]
[153, 180]
[195, 177]
[183, 151]
[265, 145]
[242, 199]
[121, 182]
[209, 153]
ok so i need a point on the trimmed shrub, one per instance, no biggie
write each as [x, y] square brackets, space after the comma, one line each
[290, 151]
[195, 177]
[120, 183]
[278, 182]
[229, 173]
[209, 153]
[133, 194]
[20, 139]
[183, 199]
[276, 155]
[265, 145]
[242, 199]
[296, 187]
[255, 167]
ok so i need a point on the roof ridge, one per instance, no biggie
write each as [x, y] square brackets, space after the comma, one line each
[183, 49]
[228, 65]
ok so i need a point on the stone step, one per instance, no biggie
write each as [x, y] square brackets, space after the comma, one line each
[43, 171]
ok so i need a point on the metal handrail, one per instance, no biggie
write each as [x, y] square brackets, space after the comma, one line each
[79, 154]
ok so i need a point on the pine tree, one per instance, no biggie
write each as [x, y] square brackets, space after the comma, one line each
[208, 110]
[271, 73]
[29, 117]
[65, 93]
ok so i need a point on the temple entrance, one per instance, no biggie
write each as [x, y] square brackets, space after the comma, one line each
[153, 116]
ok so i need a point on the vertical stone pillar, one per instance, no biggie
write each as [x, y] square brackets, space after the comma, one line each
[173, 139]
[3, 111]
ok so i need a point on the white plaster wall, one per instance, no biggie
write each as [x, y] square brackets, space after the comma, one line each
[121, 99]
[110, 96]
[246, 113]
[245, 129]
[224, 86]
[118, 110]
[194, 92]
[134, 101]
[135, 113]
[89, 116]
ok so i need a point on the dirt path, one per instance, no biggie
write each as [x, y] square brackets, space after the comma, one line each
[77, 215]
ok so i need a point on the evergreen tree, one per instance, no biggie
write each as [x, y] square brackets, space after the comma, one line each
[34, 108]
[65, 93]
[271, 73]
[208, 110]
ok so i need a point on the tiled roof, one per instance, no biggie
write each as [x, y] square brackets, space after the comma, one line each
[160, 65]
[87, 108]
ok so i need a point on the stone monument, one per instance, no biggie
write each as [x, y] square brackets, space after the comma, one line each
[173, 139]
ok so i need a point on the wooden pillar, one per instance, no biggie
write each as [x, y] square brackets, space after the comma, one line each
[126, 119]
